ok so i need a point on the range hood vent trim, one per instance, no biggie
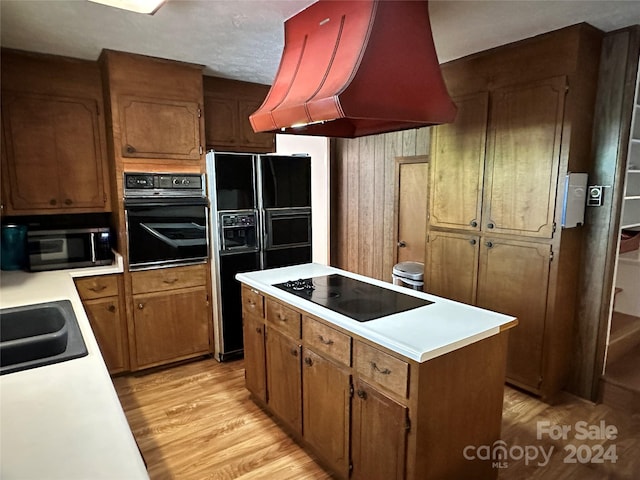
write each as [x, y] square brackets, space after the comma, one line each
[355, 68]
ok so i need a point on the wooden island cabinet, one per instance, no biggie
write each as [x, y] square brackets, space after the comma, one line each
[364, 410]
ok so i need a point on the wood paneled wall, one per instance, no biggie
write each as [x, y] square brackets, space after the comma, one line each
[363, 196]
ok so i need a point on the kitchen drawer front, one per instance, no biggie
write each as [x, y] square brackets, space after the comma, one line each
[381, 368]
[324, 339]
[168, 279]
[284, 318]
[252, 302]
[99, 286]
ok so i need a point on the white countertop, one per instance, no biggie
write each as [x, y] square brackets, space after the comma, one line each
[419, 334]
[63, 421]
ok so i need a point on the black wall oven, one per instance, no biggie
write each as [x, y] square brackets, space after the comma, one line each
[167, 217]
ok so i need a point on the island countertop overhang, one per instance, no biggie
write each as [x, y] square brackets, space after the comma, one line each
[420, 334]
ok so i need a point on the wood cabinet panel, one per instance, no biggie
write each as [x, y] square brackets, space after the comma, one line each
[452, 265]
[381, 368]
[379, 435]
[457, 166]
[54, 154]
[252, 302]
[514, 279]
[171, 325]
[255, 356]
[326, 406]
[284, 318]
[159, 128]
[97, 287]
[327, 340]
[284, 379]
[523, 154]
[168, 278]
[107, 322]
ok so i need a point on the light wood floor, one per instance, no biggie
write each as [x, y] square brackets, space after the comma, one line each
[195, 421]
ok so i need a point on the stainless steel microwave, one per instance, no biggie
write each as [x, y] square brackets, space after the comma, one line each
[69, 248]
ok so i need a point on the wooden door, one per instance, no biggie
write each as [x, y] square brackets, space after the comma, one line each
[221, 121]
[523, 154]
[107, 324]
[171, 325]
[265, 142]
[283, 379]
[326, 401]
[412, 180]
[254, 357]
[452, 265]
[378, 435]
[513, 279]
[159, 128]
[54, 153]
[457, 166]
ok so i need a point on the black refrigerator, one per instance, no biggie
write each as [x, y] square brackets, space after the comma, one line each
[260, 218]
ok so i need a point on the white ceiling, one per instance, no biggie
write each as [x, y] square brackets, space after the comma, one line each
[242, 39]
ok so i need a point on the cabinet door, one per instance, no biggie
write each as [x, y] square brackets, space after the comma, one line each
[452, 266]
[221, 121]
[263, 141]
[171, 325]
[254, 357]
[378, 435]
[326, 401]
[159, 128]
[513, 279]
[283, 379]
[457, 165]
[523, 153]
[54, 153]
[108, 327]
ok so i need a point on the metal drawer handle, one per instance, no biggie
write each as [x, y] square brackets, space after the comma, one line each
[473, 223]
[258, 330]
[326, 342]
[308, 361]
[53, 201]
[384, 371]
[281, 317]
[170, 281]
[294, 352]
[140, 305]
[472, 241]
[362, 394]
[97, 288]
[111, 308]
[251, 303]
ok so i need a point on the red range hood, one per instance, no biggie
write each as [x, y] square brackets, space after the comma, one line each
[354, 68]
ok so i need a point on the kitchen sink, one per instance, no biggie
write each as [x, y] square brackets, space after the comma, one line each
[40, 334]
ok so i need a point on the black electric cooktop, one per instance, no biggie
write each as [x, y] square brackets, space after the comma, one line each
[355, 299]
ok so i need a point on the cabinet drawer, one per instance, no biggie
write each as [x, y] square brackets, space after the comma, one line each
[325, 339]
[285, 318]
[380, 367]
[252, 302]
[99, 286]
[168, 279]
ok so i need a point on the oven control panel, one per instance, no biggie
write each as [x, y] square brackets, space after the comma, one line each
[145, 184]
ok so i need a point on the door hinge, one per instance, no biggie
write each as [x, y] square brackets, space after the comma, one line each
[551, 256]
[407, 425]
[554, 227]
[199, 112]
[201, 150]
[351, 391]
[104, 197]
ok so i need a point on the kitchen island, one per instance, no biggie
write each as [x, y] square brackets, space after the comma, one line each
[64, 420]
[410, 395]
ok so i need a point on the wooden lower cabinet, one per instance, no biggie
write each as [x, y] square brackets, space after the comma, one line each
[103, 303]
[326, 400]
[171, 325]
[365, 412]
[284, 381]
[254, 356]
[378, 435]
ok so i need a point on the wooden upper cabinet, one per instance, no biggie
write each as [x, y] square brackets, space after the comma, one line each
[457, 166]
[227, 106]
[523, 155]
[54, 150]
[159, 128]
[514, 280]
